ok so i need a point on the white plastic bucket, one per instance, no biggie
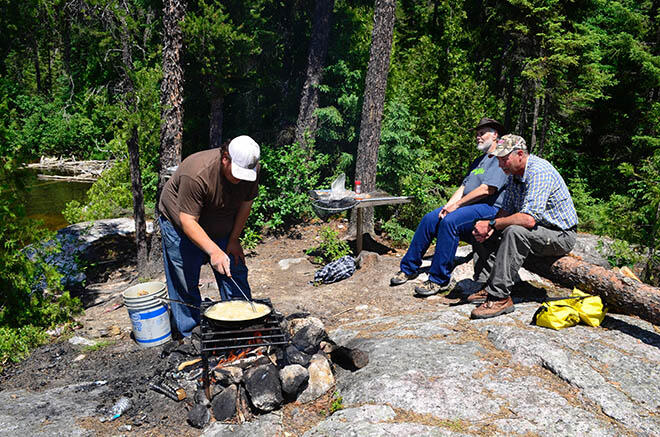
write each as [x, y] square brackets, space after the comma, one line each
[150, 316]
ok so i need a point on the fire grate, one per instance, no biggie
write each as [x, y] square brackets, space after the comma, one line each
[223, 341]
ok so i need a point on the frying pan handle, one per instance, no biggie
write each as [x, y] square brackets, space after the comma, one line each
[179, 301]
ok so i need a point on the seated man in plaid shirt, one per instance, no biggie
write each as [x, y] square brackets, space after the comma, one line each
[537, 218]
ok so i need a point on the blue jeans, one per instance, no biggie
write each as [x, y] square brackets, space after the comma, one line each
[455, 226]
[183, 262]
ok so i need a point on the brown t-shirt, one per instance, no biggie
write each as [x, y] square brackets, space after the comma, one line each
[198, 188]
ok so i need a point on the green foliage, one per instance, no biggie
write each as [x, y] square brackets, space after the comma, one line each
[110, 196]
[337, 403]
[592, 213]
[645, 228]
[400, 235]
[222, 46]
[619, 253]
[31, 297]
[583, 75]
[98, 346]
[16, 343]
[330, 248]
[250, 239]
[38, 127]
[288, 173]
[405, 167]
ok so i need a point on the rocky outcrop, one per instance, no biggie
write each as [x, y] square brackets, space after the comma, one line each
[438, 372]
[83, 241]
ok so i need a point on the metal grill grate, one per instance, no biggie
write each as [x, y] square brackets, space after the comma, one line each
[222, 341]
[267, 332]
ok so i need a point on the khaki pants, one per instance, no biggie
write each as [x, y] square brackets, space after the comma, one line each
[500, 257]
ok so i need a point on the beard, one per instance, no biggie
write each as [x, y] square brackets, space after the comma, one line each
[483, 147]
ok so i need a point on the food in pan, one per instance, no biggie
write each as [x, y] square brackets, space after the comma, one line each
[236, 310]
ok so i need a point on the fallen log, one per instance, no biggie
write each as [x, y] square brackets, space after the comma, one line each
[349, 358]
[621, 294]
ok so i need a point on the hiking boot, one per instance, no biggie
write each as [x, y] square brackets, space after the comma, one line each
[401, 278]
[429, 288]
[478, 297]
[493, 307]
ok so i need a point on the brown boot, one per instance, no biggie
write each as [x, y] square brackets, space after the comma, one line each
[493, 307]
[478, 297]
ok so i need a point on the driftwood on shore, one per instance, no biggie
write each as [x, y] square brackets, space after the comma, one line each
[68, 169]
[619, 292]
[76, 178]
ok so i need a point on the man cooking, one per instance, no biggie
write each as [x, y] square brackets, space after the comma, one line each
[537, 218]
[478, 197]
[204, 208]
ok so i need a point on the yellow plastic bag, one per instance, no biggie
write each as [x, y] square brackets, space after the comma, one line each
[556, 315]
[562, 313]
[591, 309]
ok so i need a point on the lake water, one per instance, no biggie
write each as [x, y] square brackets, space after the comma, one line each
[46, 200]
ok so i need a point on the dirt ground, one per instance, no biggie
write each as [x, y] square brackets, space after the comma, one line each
[127, 369]
[290, 289]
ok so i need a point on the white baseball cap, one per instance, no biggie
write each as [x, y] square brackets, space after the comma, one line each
[244, 153]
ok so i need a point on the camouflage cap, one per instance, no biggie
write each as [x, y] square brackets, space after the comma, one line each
[509, 143]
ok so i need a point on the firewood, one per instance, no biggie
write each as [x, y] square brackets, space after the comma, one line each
[188, 363]
[349, 358]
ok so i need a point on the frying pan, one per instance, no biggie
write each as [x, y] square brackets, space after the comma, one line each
[262, 312]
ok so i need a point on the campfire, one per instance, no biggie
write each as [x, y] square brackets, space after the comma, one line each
[242, 371]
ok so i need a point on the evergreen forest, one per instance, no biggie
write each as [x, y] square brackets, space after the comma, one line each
[578, 79]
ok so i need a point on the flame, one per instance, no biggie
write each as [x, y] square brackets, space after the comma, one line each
[231, 358]
[234, 357]
[256, 340]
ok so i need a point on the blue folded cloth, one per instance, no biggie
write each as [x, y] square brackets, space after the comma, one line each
[337, 270]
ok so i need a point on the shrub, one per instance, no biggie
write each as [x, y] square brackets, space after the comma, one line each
[288, 173]
[31, 297]
[619, 253]
[400, 235]
[592, 213]
[330, 248]
[250, 239]
[54, 128]
[110, 196]
[16, 343]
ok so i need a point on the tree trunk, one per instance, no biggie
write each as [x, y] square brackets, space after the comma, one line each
[318, 48]
[65, 25]
[215, 124]
[535, 117]
[620, 293]
[509, 100]
[138, 203]
[49, 71]
[35, 60]
[134, 157]
[171, 102]
[374, 101]
[544, 128]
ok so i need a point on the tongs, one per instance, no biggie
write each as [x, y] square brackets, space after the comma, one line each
[254, 309]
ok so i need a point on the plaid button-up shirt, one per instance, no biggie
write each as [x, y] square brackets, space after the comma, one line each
[541, 193]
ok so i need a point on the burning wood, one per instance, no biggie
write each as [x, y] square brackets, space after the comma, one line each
[243, 359]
